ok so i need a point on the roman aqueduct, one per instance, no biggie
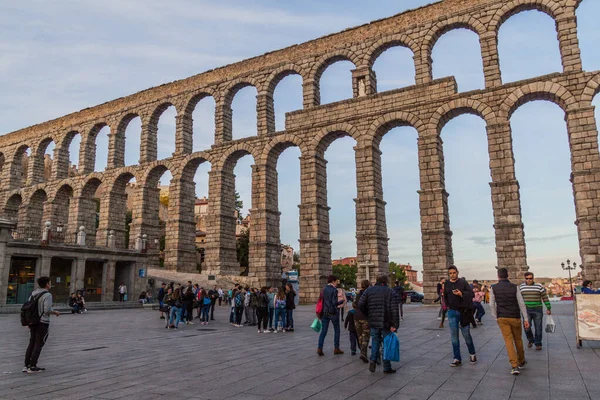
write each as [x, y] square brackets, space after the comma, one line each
[427, 106]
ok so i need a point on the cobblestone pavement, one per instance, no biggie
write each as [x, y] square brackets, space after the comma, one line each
[129, 354]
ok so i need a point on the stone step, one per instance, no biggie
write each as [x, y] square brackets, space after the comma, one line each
[63, 307]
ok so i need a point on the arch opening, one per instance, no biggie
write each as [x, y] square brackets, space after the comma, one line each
[395, 68]
[242, 209]
[203, 115]
[166, 128]
[73, 146]
[457, 52]
[12, 207]
[101, 148]
[133, 140]
[20, 167]
[287, 97]
[546, 192]
[243, 113]
[335, 81]
[588, 34]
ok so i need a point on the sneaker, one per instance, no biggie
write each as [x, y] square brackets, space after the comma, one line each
[529, 345]
[473, 359]
[372, 366]
[266, 331]
[190, 323]
[390, 371]
[259, 331]
[439, 318]
[515, 371]
[320, 352]
[162, 317]
[25, 369]
[401, 319]
[538, 347]
[275, 331]
[34, 370]
[455, 363]
[522, 366]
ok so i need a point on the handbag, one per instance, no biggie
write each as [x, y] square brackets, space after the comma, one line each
[316, 325]
[391, 347]
[550, 325]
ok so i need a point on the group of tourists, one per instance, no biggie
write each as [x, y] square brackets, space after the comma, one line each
[269, 309]
[480, 293]
[178, 302]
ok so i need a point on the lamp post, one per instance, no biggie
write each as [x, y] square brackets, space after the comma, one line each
[569, 268]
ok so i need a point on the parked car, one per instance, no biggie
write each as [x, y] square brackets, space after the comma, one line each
[415, 297]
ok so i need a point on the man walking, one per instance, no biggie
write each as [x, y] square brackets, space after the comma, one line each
[399, 290]
[361, 323]
[38, 332]
[534, 295]
[122, 292]
[380, 304]
[214, 295]
[507, 306]
[330, 313]
[459, 301]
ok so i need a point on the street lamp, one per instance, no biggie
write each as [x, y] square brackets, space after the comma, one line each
[569, 268]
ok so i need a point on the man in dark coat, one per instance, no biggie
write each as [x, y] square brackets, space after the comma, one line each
[380, 305]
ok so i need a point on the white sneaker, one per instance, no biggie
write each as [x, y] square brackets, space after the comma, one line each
[266, 331]
[25, 369]
[439, 318]
[259, 331]
[275, 331]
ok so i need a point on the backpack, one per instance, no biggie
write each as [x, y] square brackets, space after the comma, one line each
[206, 301]
[30, 314]
[280, 304]
[238, 300]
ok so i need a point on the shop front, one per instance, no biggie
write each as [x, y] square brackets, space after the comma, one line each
[21, 279]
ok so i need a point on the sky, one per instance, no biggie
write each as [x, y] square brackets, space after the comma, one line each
[67, 55]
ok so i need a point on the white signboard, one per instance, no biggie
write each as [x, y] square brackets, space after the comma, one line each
[588, 316]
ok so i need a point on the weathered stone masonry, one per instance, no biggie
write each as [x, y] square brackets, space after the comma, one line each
[427, 106]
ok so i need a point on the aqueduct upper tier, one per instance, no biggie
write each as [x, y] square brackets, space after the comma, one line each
[427, 106]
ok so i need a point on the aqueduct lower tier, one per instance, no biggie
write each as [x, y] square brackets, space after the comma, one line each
[427, 106]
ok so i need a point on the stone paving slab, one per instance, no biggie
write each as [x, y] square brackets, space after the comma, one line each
[127, 354]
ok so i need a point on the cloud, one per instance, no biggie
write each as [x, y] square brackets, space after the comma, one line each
[482, 240]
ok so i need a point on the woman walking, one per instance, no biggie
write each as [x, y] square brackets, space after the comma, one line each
[290, 306]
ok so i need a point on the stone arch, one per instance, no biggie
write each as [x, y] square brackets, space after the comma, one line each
[454, 108]
[38, 173]
[118, 140]
[62, 201]
[33, 218]
[236, 86]
[19, 167]
[466, 21]
[63, 154]
[330, 58]
[87, 152]
[328, 135]
[90, 185]
[278, 75]
[230, 157]
[387, 42]
[153, 172]
[278, 145]
[387, 122]
[188, 166]
[549, 91]
[12, 206]
[550, 7]
[87, 206]
[121, 179]
[191, 103]
[590, 91]
[158, 111]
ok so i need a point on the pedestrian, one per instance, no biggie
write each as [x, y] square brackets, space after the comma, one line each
[534, 296]
[477, 299]
[440, 294]
[262, 312]
[380, 304]
[73, 304]
[204, 301]
[508, 306]
[280, 311]
[587, 288]
[349, 325]
[38, 329]
[161, 296]
[443, 305]
[271, 308]
[238, 302]
[214, 296]
[459, 300]
[176, 305]
[221, 294]
[122, 292]
[361, 324]
[290, 306]
[249, 314]
[330, 312]
[399, 290]
[81, 302]
[341, 294]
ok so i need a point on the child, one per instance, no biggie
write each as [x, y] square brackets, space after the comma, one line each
[349, 324]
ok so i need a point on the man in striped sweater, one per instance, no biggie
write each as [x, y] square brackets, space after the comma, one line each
[534, 296]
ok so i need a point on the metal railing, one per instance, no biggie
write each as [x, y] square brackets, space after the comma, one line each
[26, 234]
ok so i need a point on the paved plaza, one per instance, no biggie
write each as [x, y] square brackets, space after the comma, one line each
[128, 354]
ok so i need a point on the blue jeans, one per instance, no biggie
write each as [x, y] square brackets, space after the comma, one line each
[479, 310]
[377, 336]
[175, 315]
[536, 315]
[205, 310]
[454, 321]
[290, 318]
[280, 314]
[335, 320]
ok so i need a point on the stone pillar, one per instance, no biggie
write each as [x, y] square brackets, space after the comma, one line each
[60, 166]
[35, 170]
[116, 150]
[423, 66]
[585, 167]
[83, 213]
[5, 227]
[315, 245]
[311, 95]
[364, 82]
[506, 202]
[265, 114]
[148, 149]
[78, 278]
[184, 134]
[112, 217]
[566, 27]
[491, 60]
[223, 126]
[46, 263]
[371, 228]
[435, 219]
[180, 241]
[87, 155]
[265, 244]
[221, 250]
[145, 214]
[108, 281]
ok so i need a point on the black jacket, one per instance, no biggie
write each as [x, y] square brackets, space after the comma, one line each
[380, 304]
[455, 302]
[289, 300]
[330, 300]
[505, 294]
[263, 300]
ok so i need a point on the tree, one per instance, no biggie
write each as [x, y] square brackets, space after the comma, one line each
[128, 220]
[239, 204]
[242, 247]
[397, 273]
[346, 274]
